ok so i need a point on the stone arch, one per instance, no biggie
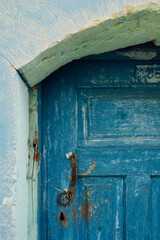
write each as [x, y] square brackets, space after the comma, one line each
[136, 27]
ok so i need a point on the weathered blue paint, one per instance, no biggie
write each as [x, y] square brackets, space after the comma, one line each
[108, 113]
[59, 115]
[99, 109]
[100, 208]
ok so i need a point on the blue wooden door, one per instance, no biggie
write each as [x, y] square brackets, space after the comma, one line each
[108, 113]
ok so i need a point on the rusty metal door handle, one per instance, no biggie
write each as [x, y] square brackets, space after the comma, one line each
[70, 193]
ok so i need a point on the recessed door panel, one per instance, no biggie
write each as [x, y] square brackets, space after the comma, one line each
[118, 117]
[101, 208]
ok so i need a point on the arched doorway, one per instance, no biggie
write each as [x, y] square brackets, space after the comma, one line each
[104, 108]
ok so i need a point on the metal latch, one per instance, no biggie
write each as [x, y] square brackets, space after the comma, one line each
[70, 193]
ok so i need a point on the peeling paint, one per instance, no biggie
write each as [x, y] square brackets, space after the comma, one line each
[7, 200]
[89, 170]
[140, 55]
[148, 73]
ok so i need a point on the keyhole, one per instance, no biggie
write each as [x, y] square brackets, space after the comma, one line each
[63, 218]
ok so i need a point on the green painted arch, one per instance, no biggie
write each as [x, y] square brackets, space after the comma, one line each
[136, 27]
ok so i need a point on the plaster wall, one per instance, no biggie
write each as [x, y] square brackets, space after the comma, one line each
[29, 27]
[13, 154]
[138, 26]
